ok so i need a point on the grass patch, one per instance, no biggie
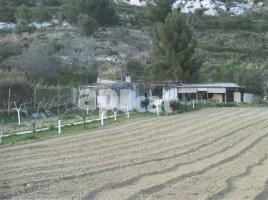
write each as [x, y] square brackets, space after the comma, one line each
[188, 107]
[72, 129]
[77, 129]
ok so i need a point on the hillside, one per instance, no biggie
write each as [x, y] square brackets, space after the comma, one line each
[231, 46]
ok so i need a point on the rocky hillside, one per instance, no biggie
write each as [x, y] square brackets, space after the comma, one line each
[210, 7]
[224, 42]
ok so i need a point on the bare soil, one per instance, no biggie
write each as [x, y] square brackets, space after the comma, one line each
[219, 153]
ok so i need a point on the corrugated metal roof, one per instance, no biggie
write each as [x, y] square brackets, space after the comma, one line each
[211, 85]
[167, 85]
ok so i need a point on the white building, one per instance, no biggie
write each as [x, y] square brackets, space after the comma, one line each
[126, 95]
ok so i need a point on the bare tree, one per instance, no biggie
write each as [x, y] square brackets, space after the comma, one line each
[37, 61]
[19, 104]
[80, 51]
[87, 101]
[8, 101]
[34, 115]
[60, 105]
[115, 111]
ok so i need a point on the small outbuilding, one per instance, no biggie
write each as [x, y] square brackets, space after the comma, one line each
[222, 92]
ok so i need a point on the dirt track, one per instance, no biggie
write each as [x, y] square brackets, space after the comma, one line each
[209, 154]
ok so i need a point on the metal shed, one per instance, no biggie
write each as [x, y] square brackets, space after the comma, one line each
[223, 92]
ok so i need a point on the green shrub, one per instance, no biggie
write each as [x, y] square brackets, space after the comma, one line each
[20, 87]
[8, 49]
[248, 22]
[7, 13]
[25, 29]
[88, 24]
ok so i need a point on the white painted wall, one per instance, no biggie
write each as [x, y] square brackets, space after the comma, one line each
[108, 99]
[170, 94]
[217, 90]
[88, 95]
[237, 97]
[127, 99]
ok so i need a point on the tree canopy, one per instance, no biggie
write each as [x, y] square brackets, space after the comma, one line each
[90, 12]
[40, 13]
[159, 9]
[174, 48]
[23, 14]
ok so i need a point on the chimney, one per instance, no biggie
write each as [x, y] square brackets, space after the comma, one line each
[98, 80]
[128, 78]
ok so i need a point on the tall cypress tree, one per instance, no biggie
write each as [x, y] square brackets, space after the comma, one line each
[175, 48]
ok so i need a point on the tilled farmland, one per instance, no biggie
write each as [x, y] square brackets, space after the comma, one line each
[219, 153]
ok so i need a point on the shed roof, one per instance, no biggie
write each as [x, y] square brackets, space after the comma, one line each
[211, 85]
[114, 84]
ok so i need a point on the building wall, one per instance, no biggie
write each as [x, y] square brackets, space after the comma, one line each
[216, 90]
[107, 99]
[237, 97]
[87, 98]
[170, 94]
[187, 90]
[248, 98]
[127, 99]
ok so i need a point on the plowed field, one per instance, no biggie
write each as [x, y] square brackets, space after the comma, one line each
[219, 153]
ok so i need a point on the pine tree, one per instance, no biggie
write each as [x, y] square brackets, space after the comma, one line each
[101, 11]
[41, 14]
[159, 9]
[23, 15]
[175, 48]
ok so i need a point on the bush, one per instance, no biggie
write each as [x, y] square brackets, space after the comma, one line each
[40, 14]
[7, 13]
[89, 13]
[249, 22]
[88, 24]
[8, 49]
[25, 29]
[174, 105]
[17, 82]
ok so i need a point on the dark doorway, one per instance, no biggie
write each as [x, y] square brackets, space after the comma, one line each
[230, 96]
[157, 91]
[202, 95]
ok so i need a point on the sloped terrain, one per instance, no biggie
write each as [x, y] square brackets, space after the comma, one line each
[209, 154]
[240, 48]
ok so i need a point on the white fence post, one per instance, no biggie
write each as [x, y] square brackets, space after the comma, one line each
[157, 109]
[59, 125]
[102, 118]
[193, 105]
[128, 113]
[157, 103]
[115, 115]
[18, 115]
